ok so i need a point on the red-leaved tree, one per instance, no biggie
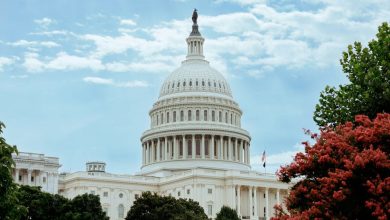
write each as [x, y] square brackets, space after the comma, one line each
[344, 175]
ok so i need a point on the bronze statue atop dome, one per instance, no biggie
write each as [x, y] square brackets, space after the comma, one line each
[195, 16]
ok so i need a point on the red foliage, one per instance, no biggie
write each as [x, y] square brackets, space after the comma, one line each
[344, 175]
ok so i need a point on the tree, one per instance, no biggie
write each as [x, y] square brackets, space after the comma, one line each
[368, 70]
[154, 207]
[9, 208]
[344, 175]
[87, 207]
[227, 213]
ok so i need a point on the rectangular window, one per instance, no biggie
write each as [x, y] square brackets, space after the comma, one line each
[189, 115]
[209, 191]
[220, 116]
[32, 179]
[162, 118]
[105, 194]
[20, 178]
[205, 115]
[167, 117]
[136, 196]
[181, 116]
[174, 116]
[188, 191]
[210, 209]
[197, 115]
[44, 179]
[213, 115]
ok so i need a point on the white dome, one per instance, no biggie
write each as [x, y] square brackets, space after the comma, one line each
[195, 76]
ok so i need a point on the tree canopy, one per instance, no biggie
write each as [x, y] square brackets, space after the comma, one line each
[227, 213]
[154, 207]
[368, 93]
[344, 175]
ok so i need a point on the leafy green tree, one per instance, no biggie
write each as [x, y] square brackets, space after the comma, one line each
[87, 207]
[227, 213]
[154, 207]
[9, 208]
[368, 93]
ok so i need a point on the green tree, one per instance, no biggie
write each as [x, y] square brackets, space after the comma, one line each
[227, 213]
[9, 208]
[368, 93]
[87, 207]
[154, 207]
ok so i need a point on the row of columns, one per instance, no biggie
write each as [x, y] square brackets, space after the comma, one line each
[252, 201]
[186, 147]
[47, 180]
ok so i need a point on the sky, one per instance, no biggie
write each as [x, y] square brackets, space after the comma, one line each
[78, 78]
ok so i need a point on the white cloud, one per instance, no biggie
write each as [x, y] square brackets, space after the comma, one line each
[32, 63]
[128, 22]
[25, 43]
[44, 22]
[4, 61]
[111, 82]
[51, 33]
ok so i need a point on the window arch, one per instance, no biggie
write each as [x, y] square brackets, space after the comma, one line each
[157, 119]
[220, 116]
[189, 115]
[174, 116]
[226, 117]
[205, 115]
[181, 115]
[178, 84]
[231, 118]
[190, 83]
[162, 118]
[196, 83]
[202, 83]
[184, 84]
[213, 115]
[121, 211]
[197, 115]
[167, 117]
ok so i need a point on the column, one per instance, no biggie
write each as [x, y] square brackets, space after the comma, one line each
[152, 151]
[211, 145]
[236, 150]
[29, 177]
[158, 149]
[233, 187]
[230, 148]
[202, 150]
[248, 153]
[255, 202]
[250, 202]
[238, 200]
[143, 154]
[175, 148]
[193, 146]
[278, 196]
[185, 148]
[240, 151]
[266, 204]
[16, 175]
[165, 157]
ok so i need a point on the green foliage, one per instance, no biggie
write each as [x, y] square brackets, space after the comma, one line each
[45, 206]
[9, 209]
[368, 70]
[227, 213]
[154, 207]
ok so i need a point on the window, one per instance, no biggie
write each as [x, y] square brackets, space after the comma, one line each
[162, 118]
[197, 115]
[205, 115]
[264, 212]
[157, 120]
[178, 84]
[184, 84]
[220, 116]
[105, 194]
[120, 195]
[196, 83]
[173, 85]
[189, 115]
[44, 179]
[209, 191]
[136, 196]
[215, 84]
[213, 115]
[181, 115]
[32, 179]
[20, 178]
[174, 116]
[226, 117]
[209, 83]
[167, 117]
[188, 191]
[209, 209]
[202, 83]
[231, 118]
[105, 209]
[93, 192]
[190, 83]
[121, 211]
[178, 193]
[264, 195]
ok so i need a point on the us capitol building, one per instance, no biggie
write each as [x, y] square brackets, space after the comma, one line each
[195, 148]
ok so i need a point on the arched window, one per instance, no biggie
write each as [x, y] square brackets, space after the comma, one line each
[196, 83]
[213, 115]
[162, 118]
[174, 116]
[157, 120]
[202, 83]
[231, 118]
[184, 83]
[226, 117]
[197, 115]
[189, 115]
[209, 84]
[205, 115]
[178, 84]
[181, 115]
[167, 117]
[190, 83]
[215, 84]
[173, 85]
[220, 116]
[121, 211]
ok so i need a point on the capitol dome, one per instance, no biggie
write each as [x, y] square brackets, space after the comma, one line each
[195, 122]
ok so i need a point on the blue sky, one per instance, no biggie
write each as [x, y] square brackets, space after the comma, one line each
[77, 78]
